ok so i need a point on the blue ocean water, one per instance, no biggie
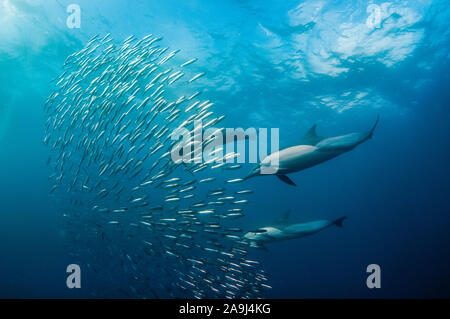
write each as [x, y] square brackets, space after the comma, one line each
[274, 64]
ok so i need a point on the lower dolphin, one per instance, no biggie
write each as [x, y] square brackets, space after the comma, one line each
[268, 234]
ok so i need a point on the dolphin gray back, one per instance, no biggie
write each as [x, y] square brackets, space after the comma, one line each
[346, 142]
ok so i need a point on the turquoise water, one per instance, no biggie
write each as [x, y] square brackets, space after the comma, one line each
[269, 64]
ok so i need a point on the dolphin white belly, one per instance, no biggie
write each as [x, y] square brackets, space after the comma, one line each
[297, 158]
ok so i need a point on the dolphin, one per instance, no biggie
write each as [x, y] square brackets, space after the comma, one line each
[313, 150]
[283, 231]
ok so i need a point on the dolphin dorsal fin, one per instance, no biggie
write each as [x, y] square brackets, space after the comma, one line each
[283, 219]
[311, 138]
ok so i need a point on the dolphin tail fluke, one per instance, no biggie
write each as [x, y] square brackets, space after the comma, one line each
[286, 179]
[374, 126]
[338, 222]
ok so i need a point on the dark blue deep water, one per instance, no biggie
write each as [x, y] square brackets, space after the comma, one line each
[273, 64]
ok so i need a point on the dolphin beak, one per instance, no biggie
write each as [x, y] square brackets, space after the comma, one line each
[253, 172]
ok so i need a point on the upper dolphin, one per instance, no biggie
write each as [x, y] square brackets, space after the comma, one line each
[313, 150]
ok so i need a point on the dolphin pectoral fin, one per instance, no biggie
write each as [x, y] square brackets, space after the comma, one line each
[286, 179]
[259, 246]
[255, 244]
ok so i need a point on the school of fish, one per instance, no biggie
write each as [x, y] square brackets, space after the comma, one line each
[125, 204]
